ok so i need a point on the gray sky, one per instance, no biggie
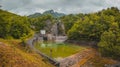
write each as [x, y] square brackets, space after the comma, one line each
[26, 7]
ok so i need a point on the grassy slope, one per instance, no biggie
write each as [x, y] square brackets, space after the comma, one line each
[14, 55]
[98, 61]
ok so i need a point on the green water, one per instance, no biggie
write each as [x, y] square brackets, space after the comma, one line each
[56, 50]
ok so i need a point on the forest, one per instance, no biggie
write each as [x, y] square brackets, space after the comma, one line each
[102, 26]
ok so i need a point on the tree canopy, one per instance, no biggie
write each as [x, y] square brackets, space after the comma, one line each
[13, 26]
[102, 26]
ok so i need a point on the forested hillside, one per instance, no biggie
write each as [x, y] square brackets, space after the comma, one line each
[102, 26]
[39, 23]
[14, 32]
[13, 26]
[49, 12]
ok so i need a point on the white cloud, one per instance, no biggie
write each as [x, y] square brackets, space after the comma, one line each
[26, 7]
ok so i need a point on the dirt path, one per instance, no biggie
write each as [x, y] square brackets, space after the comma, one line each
[86, 56]
[78, 59]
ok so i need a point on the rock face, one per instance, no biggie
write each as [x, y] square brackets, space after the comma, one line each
[58, 29]
[48, 26]
[55, 31]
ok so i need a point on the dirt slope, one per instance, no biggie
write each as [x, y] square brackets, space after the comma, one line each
[14, 57]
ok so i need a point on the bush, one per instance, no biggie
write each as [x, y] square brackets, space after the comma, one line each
[109, 45]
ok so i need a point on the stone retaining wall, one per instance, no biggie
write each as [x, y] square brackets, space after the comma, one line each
[31, 42]
[83, 43]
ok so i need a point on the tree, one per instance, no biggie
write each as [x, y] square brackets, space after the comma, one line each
[109, 44]
[41, 22]
[13, 26]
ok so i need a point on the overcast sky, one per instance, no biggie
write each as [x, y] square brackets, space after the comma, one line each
[26, 7]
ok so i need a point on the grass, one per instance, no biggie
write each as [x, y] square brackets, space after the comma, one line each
[14, 55]
[59, 50]
[98, 61]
